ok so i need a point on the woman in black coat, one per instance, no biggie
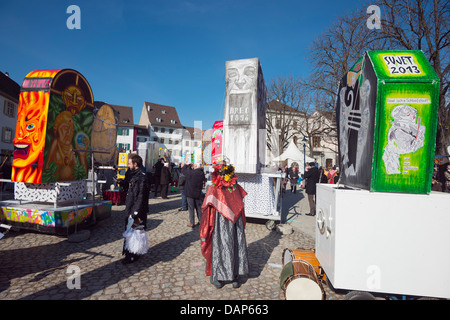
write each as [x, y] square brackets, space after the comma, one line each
[293, 176]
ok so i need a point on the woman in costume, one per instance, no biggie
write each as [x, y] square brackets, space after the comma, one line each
[222, 229]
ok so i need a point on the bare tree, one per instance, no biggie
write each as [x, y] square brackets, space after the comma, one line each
[423, 25]
[291, 115]
[335, 51]
[283, 108]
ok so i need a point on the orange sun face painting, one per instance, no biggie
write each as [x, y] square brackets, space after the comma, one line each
[55, 111]
[29, 141]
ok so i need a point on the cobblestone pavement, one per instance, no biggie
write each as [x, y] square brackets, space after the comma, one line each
[38, 266]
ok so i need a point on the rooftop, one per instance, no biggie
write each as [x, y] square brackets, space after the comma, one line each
[162, 115]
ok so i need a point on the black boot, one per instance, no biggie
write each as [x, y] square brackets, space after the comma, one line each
[216, 283]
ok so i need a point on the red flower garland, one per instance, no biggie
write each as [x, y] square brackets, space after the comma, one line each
[224, 177]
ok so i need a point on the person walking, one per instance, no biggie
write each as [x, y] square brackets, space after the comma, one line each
[193, 192]
[136, 203]
[157, 176]
[323, 175]
[293, 176]
[331, 175]
[165, 180]
[181, 183]
[312, 178]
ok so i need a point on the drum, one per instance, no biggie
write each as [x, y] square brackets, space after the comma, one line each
[305, 255]
[299, 281]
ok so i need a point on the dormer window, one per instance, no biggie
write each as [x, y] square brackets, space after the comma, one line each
[163, 111]
[158, 119]
[172, 121]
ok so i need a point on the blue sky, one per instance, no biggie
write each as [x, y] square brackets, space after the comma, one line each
[168, 52]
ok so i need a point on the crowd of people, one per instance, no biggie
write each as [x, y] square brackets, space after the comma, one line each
[222, 234]
[140, 183]
[308, 180]
[223, 242]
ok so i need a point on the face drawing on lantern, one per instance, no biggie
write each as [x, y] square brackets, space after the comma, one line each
[74, 99]
[241, 83]
[31, 125]
[241, 76]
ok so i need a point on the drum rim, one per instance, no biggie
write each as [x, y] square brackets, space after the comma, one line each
[293, 277]
[291, 251]
[283, 254]
[310, 267]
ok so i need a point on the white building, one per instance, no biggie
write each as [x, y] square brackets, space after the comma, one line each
[9, 100]
[314, 134]
[164, 127]
[192, 141]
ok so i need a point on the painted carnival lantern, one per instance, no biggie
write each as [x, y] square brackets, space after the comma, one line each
[54, 124]
[244, 121]
[387, 116]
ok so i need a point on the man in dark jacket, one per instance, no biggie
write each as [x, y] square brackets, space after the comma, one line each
[312, 177]
[165, 180]
[181, 183]
[193, 192]
[136, 203]
[157, 176]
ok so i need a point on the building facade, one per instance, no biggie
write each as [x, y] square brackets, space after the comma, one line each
[314, 134]
[9, 100]
[164, 127]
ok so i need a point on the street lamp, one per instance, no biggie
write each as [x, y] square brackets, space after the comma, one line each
[304, 153]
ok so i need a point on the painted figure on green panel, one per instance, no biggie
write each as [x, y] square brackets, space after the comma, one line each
[406, 135]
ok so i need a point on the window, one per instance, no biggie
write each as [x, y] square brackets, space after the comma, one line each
[170, 141]
[177, 141]
[123, 132]
[170, 130]
[7, 135]
[316, 142]
[163, 130]
[295, 125]
[163, 111]
[155, 139]
[187, 143]
[162, 140]
[8, 108]
[124, 146]
[155, 129]
[278, 124]
[158, 119]
[173, 121]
